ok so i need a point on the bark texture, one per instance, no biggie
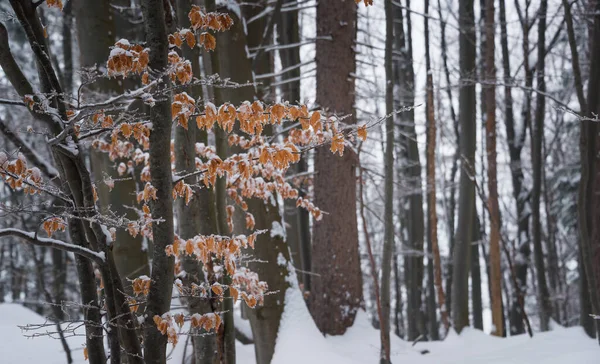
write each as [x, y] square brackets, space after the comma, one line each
[490, 128]
[467, 105]
[159, 297]
[336, 294]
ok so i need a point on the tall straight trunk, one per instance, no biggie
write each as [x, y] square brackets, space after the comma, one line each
[298, 236]
[335, 256]
[476, 294]
[159, 297]
[451, 210]
[270, 250]
[414, 217]
[226, 334]
[490, 95]
[589, 194]
[585, 304]
[95, 33]
[434, 262]
[537, 134]
[464, 233]
[388, 239]
[197, 217]
[515, 145]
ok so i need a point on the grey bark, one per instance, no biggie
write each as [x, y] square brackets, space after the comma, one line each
[298, 236]
[462, 249]
[388, 240]
[197, 217]
[404, 80]
[537, 135]
[265, 319]
[515, 145]
[159, 297]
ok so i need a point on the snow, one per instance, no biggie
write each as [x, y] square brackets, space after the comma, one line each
[16, 348]
[300, 342]
[277, 230]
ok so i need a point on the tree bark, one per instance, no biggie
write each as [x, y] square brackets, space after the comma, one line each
[434, 262]
[537, 135]
[476, 294]
[159, 297]
[388, 239]
[271, 256]
[198, 216]
[515, 145]
[589, 196]
[451, 210]
[298, 236]
[490, 95]
[404, 83]
[335, 256]
[462, 250]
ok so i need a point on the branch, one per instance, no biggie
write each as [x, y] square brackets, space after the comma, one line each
[28, 151]
[268, 31]
[33, 239]
[19, 81]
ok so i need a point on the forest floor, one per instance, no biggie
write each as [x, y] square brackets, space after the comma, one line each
[300, 342]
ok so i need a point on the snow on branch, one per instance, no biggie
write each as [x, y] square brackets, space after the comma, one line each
[32, 238]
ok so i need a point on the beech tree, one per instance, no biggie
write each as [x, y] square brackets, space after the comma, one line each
[142, 140]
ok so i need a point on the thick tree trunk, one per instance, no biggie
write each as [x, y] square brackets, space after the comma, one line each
[198, 216]
[462, 249]
[159, 297]
[269, 248]
[589, 194]
[335, 256]
[297, 219]
[95, 33]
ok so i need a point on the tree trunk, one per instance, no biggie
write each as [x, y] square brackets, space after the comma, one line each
[95, 33]
[388, 239]
[515, 145]
[589, 191]
[335, 240]
[411, 167]
[462, 249]
[490, 95]
[159, 297]
[298, 236]
[476, 294]
[537, 134]
[434, 264]
[270, 250]
[198, 216]
[451, 210]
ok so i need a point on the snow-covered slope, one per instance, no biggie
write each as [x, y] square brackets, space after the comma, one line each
[300, 342]
[16, 348]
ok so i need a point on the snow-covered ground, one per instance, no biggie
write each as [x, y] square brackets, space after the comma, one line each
[300, 343]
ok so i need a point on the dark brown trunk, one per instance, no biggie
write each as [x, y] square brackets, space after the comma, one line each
[159, 297]
[335, 256]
